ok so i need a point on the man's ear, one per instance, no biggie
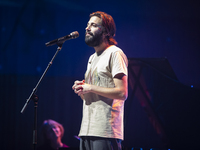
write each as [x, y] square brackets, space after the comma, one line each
[105, 35]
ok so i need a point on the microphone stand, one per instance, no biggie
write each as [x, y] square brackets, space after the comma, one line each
[35, 98]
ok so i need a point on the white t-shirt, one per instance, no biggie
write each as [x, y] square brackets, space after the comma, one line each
[103, 117]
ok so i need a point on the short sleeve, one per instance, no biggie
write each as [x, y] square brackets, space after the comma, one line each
[119, 63]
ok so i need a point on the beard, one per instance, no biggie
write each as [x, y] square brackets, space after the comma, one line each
[93, 40]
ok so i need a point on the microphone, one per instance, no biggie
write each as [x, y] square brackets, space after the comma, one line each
[61, 40]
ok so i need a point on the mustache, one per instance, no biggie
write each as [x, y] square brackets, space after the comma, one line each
[89, 33]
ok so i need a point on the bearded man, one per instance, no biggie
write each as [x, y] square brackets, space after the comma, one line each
[104, 89]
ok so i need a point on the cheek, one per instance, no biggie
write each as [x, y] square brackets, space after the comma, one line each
[97, 31]
[58, 132]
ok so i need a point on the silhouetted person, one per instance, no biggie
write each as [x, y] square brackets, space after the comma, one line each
[51, 136]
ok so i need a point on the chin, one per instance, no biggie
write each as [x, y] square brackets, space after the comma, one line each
[88, 38]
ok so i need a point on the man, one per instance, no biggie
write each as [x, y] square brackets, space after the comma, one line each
[104, 89]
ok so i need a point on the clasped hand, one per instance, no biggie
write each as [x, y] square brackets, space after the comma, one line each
[80, 87]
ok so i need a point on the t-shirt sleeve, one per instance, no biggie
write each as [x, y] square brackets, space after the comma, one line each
[119, 63]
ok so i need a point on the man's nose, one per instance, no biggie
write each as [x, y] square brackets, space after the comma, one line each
[87, 28]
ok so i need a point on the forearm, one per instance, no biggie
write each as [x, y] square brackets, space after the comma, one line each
[112, 93]
[118, 92]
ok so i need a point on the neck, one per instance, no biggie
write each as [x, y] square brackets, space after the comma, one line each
[57, 144]
[103, 46]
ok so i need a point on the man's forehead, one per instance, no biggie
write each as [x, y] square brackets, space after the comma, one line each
[95, 19]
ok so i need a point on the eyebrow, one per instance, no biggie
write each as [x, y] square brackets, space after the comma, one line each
[93, 23]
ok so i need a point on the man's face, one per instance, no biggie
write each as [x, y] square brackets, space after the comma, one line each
[93, 34]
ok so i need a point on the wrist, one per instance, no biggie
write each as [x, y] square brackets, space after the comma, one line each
[90, 88]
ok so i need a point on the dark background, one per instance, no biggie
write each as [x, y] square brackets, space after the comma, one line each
[145, 29]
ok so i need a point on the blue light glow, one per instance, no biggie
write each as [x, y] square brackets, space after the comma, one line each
[38, 69]
[42, 31]
[3, 29]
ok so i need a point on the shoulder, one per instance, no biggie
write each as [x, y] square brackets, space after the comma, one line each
[114, 48]
[117, 54]
[114, 51]
[64, 145]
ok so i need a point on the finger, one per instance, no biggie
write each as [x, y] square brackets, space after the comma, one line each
[73, 87]
[78, 82]
[79, 87]
[79, 92]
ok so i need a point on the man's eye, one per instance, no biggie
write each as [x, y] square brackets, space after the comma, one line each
[94, 25]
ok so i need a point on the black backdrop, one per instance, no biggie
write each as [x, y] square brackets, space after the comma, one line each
[160, 111]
